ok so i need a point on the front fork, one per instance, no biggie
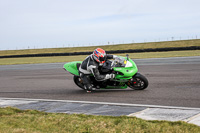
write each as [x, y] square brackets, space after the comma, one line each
[132, 81]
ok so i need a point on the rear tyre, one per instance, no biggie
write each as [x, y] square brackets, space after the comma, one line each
[138, 82]
[78, 81]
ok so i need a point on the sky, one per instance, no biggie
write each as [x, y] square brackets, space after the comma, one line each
[29, 24]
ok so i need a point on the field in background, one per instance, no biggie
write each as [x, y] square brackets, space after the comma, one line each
[182, 43]
[15, 120]
[54, 59]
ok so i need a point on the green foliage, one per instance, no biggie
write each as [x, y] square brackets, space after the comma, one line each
[36, 121]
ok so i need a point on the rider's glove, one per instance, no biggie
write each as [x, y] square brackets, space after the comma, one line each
[114, 56]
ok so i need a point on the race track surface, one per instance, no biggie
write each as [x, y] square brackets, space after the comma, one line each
[172, 82]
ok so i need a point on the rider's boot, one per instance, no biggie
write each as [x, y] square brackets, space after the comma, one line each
[89, 88]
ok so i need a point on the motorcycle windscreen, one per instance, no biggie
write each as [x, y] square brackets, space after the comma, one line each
[119, 62]
[126, 72]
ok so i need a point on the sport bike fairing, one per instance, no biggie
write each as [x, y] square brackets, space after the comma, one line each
[125, 70]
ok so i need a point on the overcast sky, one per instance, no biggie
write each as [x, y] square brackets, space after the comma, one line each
[57, 23]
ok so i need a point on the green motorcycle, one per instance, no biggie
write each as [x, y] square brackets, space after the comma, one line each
[125, 70]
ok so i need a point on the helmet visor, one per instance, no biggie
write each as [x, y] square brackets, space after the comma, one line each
[102, 58]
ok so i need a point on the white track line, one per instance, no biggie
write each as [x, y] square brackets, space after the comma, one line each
[192, 118]
[104, 103]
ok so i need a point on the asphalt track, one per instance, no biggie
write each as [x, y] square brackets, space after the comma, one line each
[172, 82]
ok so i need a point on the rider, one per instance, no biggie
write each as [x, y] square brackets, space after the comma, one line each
[90, 66]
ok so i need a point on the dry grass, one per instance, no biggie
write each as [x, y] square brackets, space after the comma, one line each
[182, 43]
[33, 60]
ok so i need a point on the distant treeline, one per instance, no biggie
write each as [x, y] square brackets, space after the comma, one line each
[109, 52]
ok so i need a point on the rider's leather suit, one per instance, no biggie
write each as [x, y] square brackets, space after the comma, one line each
[90, 66]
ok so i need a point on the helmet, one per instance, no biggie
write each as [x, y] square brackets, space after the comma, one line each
[99, 55]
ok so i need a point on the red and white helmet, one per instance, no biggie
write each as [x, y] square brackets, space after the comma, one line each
[99, 55]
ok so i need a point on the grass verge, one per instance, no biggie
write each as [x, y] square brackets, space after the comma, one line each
[15, 120]
[182, 43]
[34, 60]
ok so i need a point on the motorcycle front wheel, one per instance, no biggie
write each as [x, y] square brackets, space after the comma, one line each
[138, 82]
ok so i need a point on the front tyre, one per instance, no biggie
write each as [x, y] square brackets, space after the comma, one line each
[138, 82]
[78, 81]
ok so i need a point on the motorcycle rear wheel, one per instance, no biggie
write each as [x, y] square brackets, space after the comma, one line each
[138, 82]
[78, 81]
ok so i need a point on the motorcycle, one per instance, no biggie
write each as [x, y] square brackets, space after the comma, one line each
[125, 70]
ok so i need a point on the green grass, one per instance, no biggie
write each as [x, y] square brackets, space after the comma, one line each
[33, 60]
[182, 43]
[18, 121]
